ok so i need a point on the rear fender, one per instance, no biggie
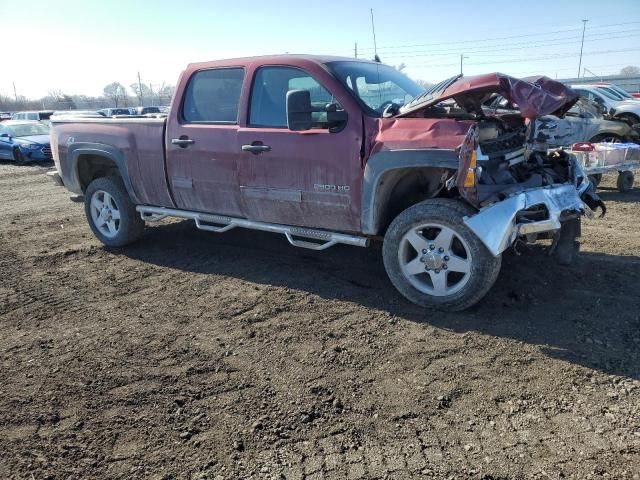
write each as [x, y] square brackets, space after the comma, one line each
[75, 153]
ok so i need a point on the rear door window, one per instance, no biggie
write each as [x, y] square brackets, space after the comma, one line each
[213, 96]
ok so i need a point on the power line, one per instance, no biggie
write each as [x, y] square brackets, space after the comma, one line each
[537, 34]
[513, 45]
[538, 59]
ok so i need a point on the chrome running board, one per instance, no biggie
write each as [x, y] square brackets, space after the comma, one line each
[219, 224]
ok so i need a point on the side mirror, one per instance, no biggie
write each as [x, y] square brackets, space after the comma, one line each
[299, 110]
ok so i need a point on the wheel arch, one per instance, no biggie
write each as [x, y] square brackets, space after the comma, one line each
[396, 179]
[91, 161]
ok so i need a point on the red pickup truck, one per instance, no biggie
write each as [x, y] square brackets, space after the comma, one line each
[329, 150]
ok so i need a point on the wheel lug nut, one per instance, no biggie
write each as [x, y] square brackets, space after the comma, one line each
[437, 270]
[424, 250]
[446, 258]
[432, 247]
[426, 269]
[444, 267]
[441, 249]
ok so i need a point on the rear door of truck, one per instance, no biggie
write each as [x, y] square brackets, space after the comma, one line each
[201, 141]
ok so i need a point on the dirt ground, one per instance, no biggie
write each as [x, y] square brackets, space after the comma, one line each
[202, 356]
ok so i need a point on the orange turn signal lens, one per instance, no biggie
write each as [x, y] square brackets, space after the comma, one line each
[470, 177]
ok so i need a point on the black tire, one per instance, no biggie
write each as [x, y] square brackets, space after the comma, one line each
[595, 179]
[625, 181]
[484, 267]
[130, 226]
[630, 118]
[607, 137]
[17, 156]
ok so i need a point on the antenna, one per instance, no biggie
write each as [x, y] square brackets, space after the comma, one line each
[375, 45]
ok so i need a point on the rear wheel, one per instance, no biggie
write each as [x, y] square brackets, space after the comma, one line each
[435, 260]
[625, 181]
[110, 212]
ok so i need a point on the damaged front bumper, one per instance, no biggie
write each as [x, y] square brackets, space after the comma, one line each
[497, 225]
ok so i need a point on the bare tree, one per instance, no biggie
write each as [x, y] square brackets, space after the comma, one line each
[165, 94]
[141, 94]
[116, 92]
[424, 84]
[630, 71]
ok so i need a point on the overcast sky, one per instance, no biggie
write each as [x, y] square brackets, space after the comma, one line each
[79, 46]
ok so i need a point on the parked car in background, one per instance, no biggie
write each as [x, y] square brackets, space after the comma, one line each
[41, 115]
[615, 90]
[147, 110]
[110, 112]
[5, 116]
[24, 141]
[584, 122]
[627, 110]
[78, 113]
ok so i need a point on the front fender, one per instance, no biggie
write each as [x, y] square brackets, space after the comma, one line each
[375, 191]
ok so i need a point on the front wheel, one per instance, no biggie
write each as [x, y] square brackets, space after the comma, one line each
[110, 212]
[17, 156]
[435, 260]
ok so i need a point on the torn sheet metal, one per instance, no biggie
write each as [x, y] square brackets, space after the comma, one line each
[535, 96]
[496, 224]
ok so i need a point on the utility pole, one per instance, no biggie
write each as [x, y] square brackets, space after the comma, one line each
[140, 87]
[375, 45]
[462, 57]
[355, 50]
[584, 26]
[15, 93]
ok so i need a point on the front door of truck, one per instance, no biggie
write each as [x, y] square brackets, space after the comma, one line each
[201, 143]
[310, 178]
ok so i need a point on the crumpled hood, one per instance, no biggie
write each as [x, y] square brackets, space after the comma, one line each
[419, 133]
[39, 139]
[534, 96]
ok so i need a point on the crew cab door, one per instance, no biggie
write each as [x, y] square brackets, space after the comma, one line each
[201, 145]
[311, 178]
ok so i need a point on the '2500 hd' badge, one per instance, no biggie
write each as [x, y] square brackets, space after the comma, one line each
[331, 188]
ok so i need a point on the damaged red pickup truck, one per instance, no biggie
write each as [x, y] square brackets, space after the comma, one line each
[329, 150]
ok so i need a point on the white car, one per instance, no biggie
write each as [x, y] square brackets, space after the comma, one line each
[616, 91]
[627, 110]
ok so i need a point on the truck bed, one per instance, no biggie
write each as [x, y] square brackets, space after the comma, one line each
[136, 142]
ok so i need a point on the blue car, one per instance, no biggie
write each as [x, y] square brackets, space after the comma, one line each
[24, 141]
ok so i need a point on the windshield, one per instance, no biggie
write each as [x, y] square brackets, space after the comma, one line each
[608, 94]
[27, 129]
[621, 91]
[376, 86]
[612, 92]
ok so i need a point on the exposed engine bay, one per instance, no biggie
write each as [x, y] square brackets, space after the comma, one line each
[509, 160]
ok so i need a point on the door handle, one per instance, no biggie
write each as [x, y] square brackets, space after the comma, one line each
[183, 141]
[256, 149]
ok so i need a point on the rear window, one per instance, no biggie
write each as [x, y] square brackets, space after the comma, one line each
[213, 96]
